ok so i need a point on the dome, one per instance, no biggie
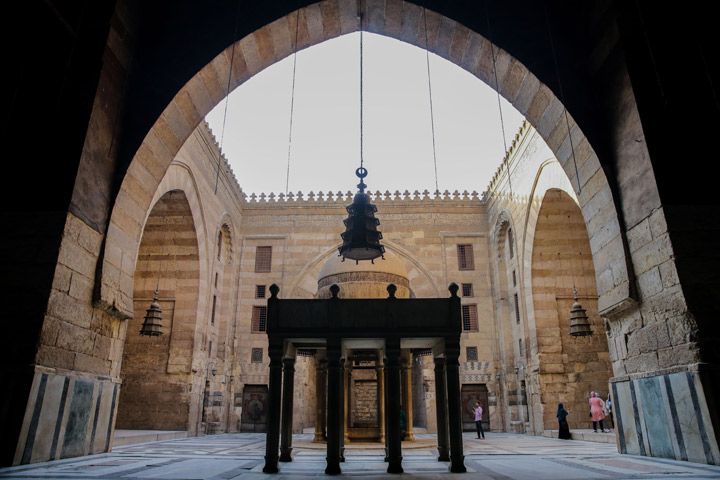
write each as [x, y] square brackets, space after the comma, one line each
[391, 265]
[364, 279]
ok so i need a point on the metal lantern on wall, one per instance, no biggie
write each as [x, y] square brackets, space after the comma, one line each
[579, 321]
[361, 238]
[152, 324]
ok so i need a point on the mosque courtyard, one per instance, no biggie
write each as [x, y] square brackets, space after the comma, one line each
[500, 456]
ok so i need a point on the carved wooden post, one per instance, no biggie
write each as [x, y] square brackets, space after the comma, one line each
[287, 409]
[407, 394]
[320, 396]
[380, 374]
[394, 440]
[275, 352]
[441, 409]
[452, 367]
[334, 416]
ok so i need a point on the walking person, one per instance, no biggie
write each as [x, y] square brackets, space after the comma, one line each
[596, 412]
[478, 420]
[563, 428]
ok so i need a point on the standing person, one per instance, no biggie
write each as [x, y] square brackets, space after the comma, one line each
[563, 428]
[596, 411]
[608, 409]
[478, 420]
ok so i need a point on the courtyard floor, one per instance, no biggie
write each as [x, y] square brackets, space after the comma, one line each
[501, 456]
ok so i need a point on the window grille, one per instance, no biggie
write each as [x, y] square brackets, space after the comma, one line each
[259, 319]
[466, 260]
[256, 355]
[471, 353]
[469, 318]
[263, 259]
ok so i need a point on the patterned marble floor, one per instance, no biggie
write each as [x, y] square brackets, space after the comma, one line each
[240, 457]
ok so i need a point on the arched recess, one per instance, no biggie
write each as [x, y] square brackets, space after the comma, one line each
[564, 368]
[220, 329]
[549, 176]
[304, 285]
[179, 177]
[156, 370]
[509, 356]
[397, 19]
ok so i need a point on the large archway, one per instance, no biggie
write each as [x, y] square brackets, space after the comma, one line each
[397, 19]
[566, 139]
[638, 214]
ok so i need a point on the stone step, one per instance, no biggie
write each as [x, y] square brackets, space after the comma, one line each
[584, 435]
[132, 437]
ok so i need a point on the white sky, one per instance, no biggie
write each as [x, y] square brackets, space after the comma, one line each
[398, 140]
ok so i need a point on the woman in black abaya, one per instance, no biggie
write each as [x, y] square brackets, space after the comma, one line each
[564, 430]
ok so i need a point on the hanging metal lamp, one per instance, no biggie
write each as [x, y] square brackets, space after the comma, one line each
[152, 324]
[579, 321]
[361, 238]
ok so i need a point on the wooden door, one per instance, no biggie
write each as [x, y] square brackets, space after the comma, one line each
[254, 409]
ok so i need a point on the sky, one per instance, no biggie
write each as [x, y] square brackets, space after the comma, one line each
[397, 132]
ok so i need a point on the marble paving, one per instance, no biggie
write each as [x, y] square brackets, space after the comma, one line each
[500, 456]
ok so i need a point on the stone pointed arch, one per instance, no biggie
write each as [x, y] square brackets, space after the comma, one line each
[157, 369]
[561, 261]
[314, 265]
[180, 177]
[397, 19]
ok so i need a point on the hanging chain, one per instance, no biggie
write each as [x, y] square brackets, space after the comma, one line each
[432, 116]
[292, 101]
[497, 91]
[227, 95]
[362, 144]
[562, 97]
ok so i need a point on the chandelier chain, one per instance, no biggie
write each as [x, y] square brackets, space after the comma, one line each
[362, 140]
[562, 97]
[432, 116]
[227, 95]
[292, 102]
[497, 91]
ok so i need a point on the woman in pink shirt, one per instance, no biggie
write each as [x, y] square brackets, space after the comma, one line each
[478, 419]
[597, 407]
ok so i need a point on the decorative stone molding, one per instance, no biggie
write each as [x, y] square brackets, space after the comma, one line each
[343, 198]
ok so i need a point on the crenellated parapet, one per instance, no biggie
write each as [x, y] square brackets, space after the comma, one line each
[343, 198]
[502, 169]
[228, 173]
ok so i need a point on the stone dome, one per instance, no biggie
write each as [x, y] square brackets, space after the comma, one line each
[364, 279]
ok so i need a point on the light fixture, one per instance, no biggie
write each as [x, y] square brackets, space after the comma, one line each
[579, 322]
[361, 238]
[152, 324]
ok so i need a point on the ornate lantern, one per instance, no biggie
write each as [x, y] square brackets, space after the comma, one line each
[152, 325]
[361, 238]
[579, 322]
